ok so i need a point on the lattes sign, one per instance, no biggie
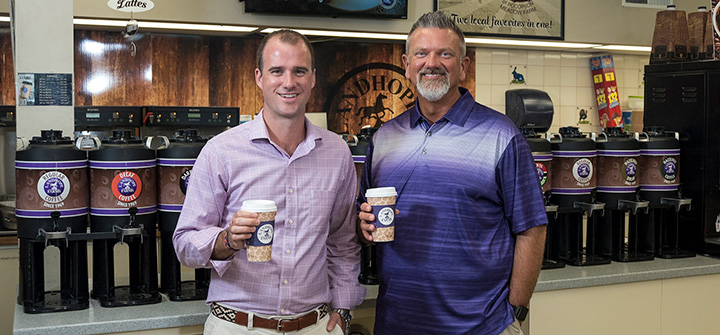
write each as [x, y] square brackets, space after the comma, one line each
[128, 6]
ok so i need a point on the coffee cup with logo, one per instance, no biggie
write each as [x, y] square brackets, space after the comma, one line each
[259, 245]
[382, 200]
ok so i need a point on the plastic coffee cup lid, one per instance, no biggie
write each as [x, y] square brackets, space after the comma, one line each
[258, 206]
[380, 192]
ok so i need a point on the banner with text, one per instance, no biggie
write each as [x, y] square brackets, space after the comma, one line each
[512, 18]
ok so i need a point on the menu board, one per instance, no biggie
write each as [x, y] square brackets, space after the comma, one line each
[45, 89]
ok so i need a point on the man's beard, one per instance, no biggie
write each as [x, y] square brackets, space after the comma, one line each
[433, 89]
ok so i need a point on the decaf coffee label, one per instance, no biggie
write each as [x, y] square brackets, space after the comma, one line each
[126, 186]
[669, 171]
[53, 187]
[583, 172]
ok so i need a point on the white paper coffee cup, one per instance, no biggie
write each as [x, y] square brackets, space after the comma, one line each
[382, 200]
[259, 245]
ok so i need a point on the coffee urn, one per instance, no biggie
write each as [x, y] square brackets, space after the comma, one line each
[174, 167]
[660, 186]
[52, 203]
[617, 182]
[573, 186]
[123, 200]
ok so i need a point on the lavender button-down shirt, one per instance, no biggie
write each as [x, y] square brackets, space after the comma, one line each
[315, 253]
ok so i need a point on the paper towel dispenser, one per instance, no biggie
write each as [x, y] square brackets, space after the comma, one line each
[529, 108]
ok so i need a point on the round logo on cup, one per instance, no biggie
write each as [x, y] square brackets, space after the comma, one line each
[126, 186]
[53, 187]
[265, 233]
[386, 216]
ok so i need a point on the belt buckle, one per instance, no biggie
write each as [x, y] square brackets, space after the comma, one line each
[279, 324]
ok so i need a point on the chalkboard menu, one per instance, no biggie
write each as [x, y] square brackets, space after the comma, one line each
[45, 89]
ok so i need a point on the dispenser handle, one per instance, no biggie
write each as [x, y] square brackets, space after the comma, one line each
[21, 143]
[157, 142]
[347, 137]
[554, 137]
[594, 137]
[88, 142]
[638, 134]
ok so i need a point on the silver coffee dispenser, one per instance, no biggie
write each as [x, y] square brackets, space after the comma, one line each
[532, 111]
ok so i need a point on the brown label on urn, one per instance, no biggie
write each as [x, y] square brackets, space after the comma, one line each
[111, 188]
[573, 173]
[614, 171]
[50, 190]
[172, 184]
[658, 170]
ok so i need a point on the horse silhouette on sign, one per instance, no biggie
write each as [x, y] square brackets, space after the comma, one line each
[376, 111]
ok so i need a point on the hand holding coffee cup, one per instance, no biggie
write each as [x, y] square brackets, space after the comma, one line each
[382, 200]
[259, 245]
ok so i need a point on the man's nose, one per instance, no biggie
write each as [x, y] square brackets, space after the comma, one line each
[288, 79]
[433, 60]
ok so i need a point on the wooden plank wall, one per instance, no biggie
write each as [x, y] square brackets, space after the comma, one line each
[198, 70]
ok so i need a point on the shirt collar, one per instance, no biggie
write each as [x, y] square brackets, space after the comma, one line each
[258, 129]
[457, 114]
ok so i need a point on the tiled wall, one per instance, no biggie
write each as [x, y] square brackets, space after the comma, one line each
[565, 76]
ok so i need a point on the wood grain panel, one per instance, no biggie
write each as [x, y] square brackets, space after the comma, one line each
[107, 74]
[180, 70]
[363, 84]
[7, 69]
[232, 80]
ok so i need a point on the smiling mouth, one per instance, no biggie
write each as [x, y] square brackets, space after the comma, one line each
[289, 95]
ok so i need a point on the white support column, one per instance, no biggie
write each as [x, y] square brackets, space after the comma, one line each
[43, 44]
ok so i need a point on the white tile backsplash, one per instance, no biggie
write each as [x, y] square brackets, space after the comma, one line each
[565, 76]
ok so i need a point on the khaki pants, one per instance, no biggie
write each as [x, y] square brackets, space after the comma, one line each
[513, 329]
[215, 326]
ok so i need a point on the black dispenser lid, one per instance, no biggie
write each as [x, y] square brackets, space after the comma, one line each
[51, 137]
[122, 136]
[529, 108]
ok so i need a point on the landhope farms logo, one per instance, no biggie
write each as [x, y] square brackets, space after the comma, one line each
[369, 94]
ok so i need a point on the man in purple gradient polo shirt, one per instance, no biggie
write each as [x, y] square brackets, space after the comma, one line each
[310, 283]
[470, 225]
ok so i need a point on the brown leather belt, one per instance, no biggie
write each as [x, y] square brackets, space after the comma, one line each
[280, 325]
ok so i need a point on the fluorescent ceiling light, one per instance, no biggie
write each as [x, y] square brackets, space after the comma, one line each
[347, 34]
[4, 19]
[166, 25]
[625, 48]
[530, 43]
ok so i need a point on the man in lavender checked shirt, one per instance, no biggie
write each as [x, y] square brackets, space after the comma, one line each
[310, 283]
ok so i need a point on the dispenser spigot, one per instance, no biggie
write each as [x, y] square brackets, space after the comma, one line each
[55, 234]
[634, 205]
[131, 229]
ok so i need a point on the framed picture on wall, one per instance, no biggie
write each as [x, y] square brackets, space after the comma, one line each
[541, 19]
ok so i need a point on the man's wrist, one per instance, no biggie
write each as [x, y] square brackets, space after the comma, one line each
[345, 314]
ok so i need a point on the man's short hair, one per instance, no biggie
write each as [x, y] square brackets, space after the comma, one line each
[436, 19]
[286, 36]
